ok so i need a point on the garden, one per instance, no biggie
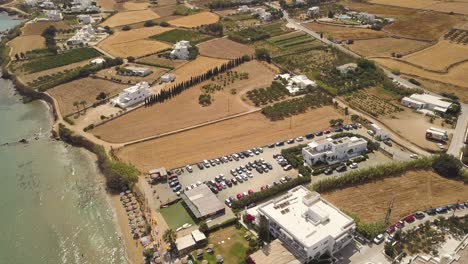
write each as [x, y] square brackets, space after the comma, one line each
[371, 104]
[177, 35]
[176, 215]
[294, 42]
[65, 58]
[263, 96]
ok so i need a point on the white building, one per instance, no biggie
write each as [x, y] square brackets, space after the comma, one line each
[265, 16]
[82, 36]
[345, 68]
[331, 151]
[47, 5]
[132, 95]
[180, 50]
[426, 101]
[168, 77]
[31, 2]
[98, 61]
[297, 83]
[308, 225]
[85, 19]
[379, 132]
[244, 9]
[366, 17]
[136, 71]
[53, 15]
[313, 11]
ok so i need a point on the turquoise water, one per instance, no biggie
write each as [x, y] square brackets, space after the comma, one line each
[52, 201]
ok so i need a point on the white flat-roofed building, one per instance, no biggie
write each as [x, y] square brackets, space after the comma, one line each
[85, 19]
[47, 5]
[53, 15]
[379, 132]
[167, 77]
[297, 83]
[136, 71]
[313, 11]
[308, 225]
[244, 9]
[333, 151]
[82, 36]
[203, 203]
[180, 50]
[345, 68]
[132, 95]
[265, 16]
[426, 101]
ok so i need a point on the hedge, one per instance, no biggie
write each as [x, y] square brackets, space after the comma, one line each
[226, 223]
[265, 194]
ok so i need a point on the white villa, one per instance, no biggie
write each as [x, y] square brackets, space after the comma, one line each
[53, 15]
[136, 71]
[132, 95]
[79, 6]
[297, 83]
[265, 16]
[426, 102]
[366, 17]
[345, 68]
[82, 36]
[332, 151]
[180, 50]
[85, 19]
[306, 224]
[97, 61]
[168, 77]
[47, 5]
[244, 9]
[313, 11]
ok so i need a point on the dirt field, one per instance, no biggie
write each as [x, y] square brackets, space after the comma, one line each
[342, 33]
[39, 27]
[130, 17]
[133, 42]
[106, 5]
[196, 67]
[456, 76]
[112, 73]
[164, 11]
[30, 77]
[437, 87]
[386, 46]
[192, 21]
[413, 191]
[155, 60]
[440, 56]
[26, 43]
[184, 110]
[423, 25]
[85, 89]
[379, 10]
[225, 49]
[223, 138]
[131, 6]
[458, 7]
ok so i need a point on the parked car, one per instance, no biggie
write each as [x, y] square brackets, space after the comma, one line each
[413, 156]
[400, 224]
[176, 188]
[229, 183]
[287, 167]
[328, 171]
[251, 191]
[327, 132]
[318, 134]
[353, 165]
[370, 132]
[224, 185]
[283, 180]
[388, 143]
[299, 139]
[239, 179]
[379, 238]
[309, 136]
[200, 166]
[234, 181]
[341, 168]
[271, 146]
[409, 219]
[228, 203]
[390, 229]
[213, 189]
[419, 215]
[290, 141]
[239, 196]
[279, 144]
[441, 210]
[431, 211]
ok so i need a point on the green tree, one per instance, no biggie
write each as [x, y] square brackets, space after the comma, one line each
[355, 118]
[203, 227]
[447, 165]
[263, 229]
[389, 249]
[126, 28]
[346, 111]
[149, 23]
[76, 104]
[83, 104]
[101, 96]
[263, 54]
[131, 59]
[169, 236]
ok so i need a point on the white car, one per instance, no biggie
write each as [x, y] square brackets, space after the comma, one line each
[413, 156]
[353, 165]
[370, 132]
[378, 239]
[199, 183]
[440, 145]
[299, 139]
[189, 168]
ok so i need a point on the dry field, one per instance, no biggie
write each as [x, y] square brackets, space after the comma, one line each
[459, 7]
[112, 73]
[438, 87]
[185, 111]
[341, 33]
[413, 191]
[26, 78]
[440, 56]
[164, 11]
[423, 25]
[133, 42]
[222, 138]
[379, 10]
[39, 27]
[196, 67]
[192, 21]
[106, 5]
[156, 60]
[225, 49]
[129, 17]
[26, 43]
[456, 76]
[386, 46]
[86, 89]
[132, 6]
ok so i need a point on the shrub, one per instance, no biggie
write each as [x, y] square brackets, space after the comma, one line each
[447, 166]
[126, 28]
[164, 24]
[414, 81]
[149, 23]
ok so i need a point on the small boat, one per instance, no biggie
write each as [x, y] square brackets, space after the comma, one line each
[186, 225]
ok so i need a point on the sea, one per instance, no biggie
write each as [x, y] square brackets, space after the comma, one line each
[53, 204]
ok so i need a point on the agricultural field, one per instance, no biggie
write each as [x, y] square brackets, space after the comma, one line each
[224, 48]
[132, 6]
[192, 21]
[372, 104]
[39, 27]
[177, 35]
[155, 60]
[106, 5]
[294, 42]
[263, 96]
[129, 17]
[196, 67]
[165, 11]
[411, 192]
[26, 43]
[86, 89]
[275, 28]
[69, 57]
[223, 138]
[439, 88]
[185, 110]
[111, 74]
[456, 35]
[458, 7]
[386, 46]
[344, 33]
[439, 56]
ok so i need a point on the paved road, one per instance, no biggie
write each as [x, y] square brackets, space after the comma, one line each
[458, 135]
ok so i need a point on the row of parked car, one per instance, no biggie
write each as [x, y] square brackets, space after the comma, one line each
[416, 216]
[225, 159]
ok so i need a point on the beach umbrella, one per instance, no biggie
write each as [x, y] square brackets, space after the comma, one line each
[130, 195]
[141, 224]
[137, 212]
[204, 261]
[142, 230]
[131, 216]
[219, 259]
[128, 192]
[128, 208]
[134, 202]
[140, 219]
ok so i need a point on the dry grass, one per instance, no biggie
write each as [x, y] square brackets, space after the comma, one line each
[440, 56]
[164, 11]
[192, 21]
[112, 73]
[26, 43]
[106, 5]
[26, 78]
[39, 27]
[223, 138]
[437, 87]
[342, 33]
[129, 17]
[458, 7]
[156, 60]
[185, 111]
[386, 46]
[196, 67]
[413, 191]
[225, 49]
[456, 76]
[86, 89]
[132, 6]
[134, 43]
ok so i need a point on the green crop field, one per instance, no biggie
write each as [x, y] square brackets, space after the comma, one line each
[176, 35]
[275, 28]
[294, 42]
[69, 57]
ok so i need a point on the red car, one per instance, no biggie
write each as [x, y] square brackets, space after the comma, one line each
[400, 224]
[390, 229]
[239, 195]
[409, 219]
[264, 188]
[327, 132]
[251, 191]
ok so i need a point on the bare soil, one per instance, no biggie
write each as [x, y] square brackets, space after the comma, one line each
[26, 43]
[411, 192]
[112, 73]
[386, 46]
[132, 6]
[129, 17]
[440, 56]
[225, 49]
[223, 138]
[192, 21]
[185, 111]
[39, 27]
[343, 33]
[106, 5]
[196, 67]
[458, 7]
[156, 60]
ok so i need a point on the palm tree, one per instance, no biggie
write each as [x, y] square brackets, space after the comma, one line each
[76, 104]
[83, 104]
[169, 236]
